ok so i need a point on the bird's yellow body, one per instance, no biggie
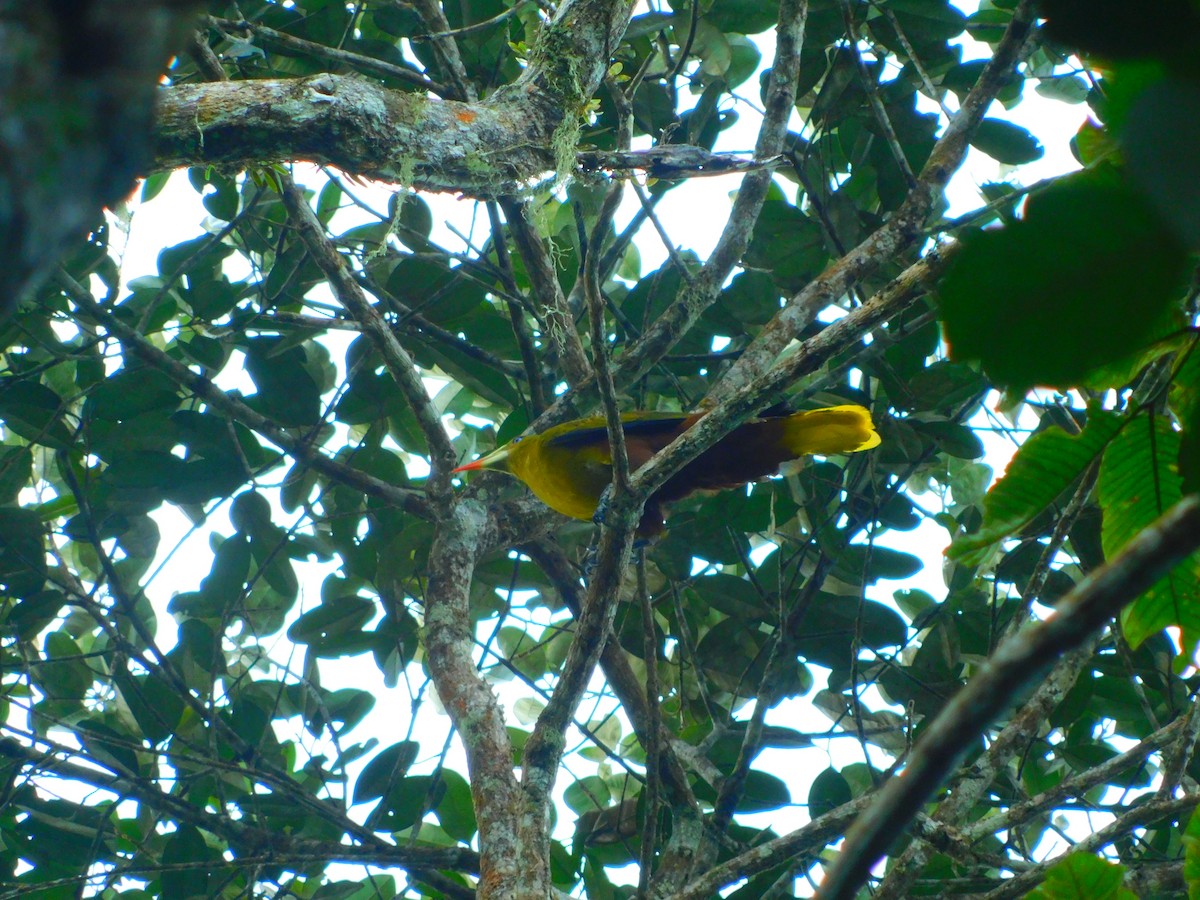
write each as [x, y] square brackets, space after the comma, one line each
[569, 466]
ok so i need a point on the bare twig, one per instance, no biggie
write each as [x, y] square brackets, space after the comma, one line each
[332, 54]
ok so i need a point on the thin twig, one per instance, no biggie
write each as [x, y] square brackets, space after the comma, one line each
[322, 51]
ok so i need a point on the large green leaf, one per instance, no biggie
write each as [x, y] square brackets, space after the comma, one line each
[1081, 876]
[1007, 143]
[1042, 469]
[1089, 277]
[33, 411]
[1185, 403]
[1139, 480]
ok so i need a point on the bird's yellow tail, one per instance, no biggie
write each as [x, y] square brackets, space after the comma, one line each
[837, 429]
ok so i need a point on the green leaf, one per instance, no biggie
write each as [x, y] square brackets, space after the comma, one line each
[22, 552]
[763, 792]
[860, 564]
[829, 791]
[182, 877]
[1081, 876]
[1139, 481]
[1042, 469]
[788, 243]
[342, 617]
[952, 438]
[834, 626]
[741, 16]
[525, 654]
[34, 411]
[286, 391]
[1007, 143]
[16, 468]
[1098, 276]
[1159, 140]
[386, 766]
[1191, 854]
[349, 706]
[456, 811]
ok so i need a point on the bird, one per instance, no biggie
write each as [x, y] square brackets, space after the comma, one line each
[568, 466]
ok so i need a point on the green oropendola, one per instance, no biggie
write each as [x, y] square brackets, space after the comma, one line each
[569, 466]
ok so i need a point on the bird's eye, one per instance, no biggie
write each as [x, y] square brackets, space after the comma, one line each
[515, 440]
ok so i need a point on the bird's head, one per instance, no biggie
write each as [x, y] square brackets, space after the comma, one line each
[499, 459]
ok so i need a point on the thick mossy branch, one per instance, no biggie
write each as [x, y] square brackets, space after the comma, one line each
[356, 125]
[497, 147]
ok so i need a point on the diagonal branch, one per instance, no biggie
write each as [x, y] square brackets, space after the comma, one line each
[780, 99]
[399, 364]
[902, 228]
[244, 839]
[1158, 548]
[805, 359]
[298, 447]
[336, 55]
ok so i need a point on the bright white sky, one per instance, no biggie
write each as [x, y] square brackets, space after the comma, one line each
[175, 215]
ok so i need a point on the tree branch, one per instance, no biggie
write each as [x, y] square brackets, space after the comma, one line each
[808, 357]
[333, 54]
[489, 149]
[400, 365]
[298, 447]
[1157, 549]
[505, 828]
[901, 229]
[780, 98]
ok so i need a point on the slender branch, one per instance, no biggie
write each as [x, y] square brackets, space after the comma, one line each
[806, 358]
[299, 447]
[870, 88]
[1074, 786]
[971, 784]
[333, 54]
[399, 364]
[625, 683]
[1062, 528]
[1179, 755]
[243, 838]
[902, 228]
[780, 659]
[445, 47]
[1156, 550]
[780, 99]
[545, 746]
[654, 734]
[516, 313]
[560, 324]
[1122, 826]
[809, 839]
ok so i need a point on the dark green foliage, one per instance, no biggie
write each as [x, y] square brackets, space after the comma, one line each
[217, 629]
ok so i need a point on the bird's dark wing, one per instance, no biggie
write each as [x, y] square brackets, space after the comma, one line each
[660, 430]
